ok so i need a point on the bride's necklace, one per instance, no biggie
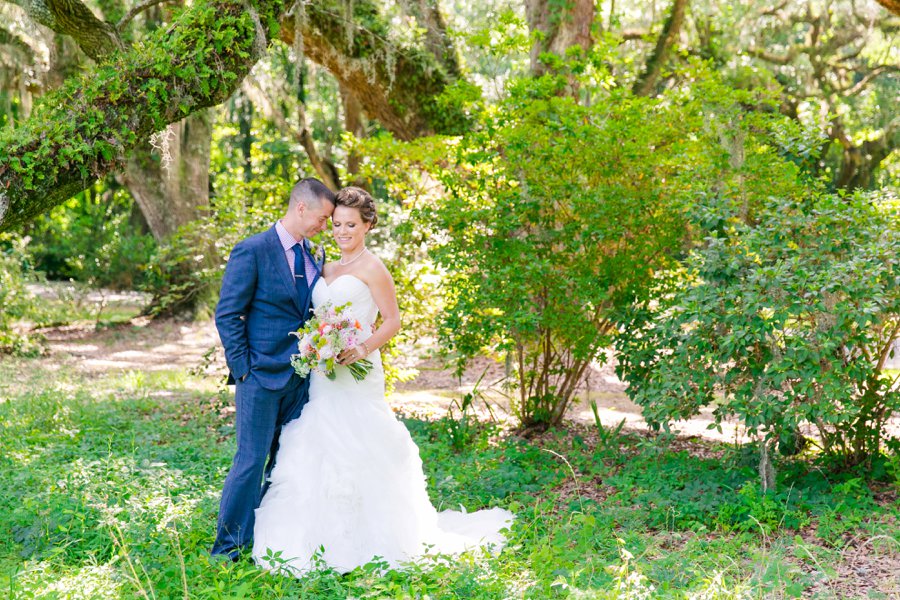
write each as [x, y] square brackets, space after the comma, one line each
[344, 264]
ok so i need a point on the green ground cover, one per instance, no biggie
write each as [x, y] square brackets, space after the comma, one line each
[109, 489]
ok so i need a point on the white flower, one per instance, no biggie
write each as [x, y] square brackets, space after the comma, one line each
[326, 352]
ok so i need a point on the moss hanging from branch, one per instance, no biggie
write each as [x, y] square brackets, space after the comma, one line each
[403, 87]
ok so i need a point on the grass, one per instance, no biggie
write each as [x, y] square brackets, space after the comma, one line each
[109, 489]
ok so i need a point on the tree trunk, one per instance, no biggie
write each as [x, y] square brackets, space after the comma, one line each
[171, 184]
[766, 470]
[353, 123]
[560, 26]
[245, 127]
[647, 81]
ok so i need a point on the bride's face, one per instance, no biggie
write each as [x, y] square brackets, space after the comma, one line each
[348, 228]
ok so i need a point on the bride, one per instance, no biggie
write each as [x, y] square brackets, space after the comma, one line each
[348, 484]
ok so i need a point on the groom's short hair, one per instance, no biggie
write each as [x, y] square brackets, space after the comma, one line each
[311, 192]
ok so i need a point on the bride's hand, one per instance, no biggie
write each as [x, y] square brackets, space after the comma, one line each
[351, 355]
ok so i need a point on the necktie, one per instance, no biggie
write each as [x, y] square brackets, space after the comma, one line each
[299, 269]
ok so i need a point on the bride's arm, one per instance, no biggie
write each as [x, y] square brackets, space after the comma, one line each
[381, 285]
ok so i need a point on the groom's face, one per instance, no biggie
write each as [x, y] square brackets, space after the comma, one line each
[314, 219]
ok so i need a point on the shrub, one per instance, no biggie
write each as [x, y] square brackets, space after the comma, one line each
[555, 214]
[781, 320]
[93, 239]
[15, 299]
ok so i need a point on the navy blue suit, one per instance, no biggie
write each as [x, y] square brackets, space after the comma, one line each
[259, 306]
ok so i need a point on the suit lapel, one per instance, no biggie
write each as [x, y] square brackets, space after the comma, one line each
[307, 246]
[314, 260]
[276, 251]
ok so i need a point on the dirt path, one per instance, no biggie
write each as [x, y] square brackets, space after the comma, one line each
[147, 345]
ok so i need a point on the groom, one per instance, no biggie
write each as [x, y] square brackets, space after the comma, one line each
[266, 294]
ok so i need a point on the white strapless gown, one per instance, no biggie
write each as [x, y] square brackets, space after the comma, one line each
[349, 479]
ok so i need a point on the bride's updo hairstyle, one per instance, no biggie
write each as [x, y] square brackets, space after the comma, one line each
[361, 200]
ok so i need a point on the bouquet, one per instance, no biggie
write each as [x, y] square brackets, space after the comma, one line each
[322, 338]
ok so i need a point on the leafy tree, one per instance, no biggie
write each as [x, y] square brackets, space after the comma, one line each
[550, 216]
[834, 66]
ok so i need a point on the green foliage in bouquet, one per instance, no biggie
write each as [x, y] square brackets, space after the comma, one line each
[782, 321]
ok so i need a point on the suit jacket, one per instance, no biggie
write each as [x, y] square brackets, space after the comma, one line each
[259, 306]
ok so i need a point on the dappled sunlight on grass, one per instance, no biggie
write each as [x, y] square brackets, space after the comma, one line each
[109, 486]
[91, 582]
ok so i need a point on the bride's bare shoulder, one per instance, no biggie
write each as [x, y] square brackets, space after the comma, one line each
[377, 267]
[328, 268]
[372, 271]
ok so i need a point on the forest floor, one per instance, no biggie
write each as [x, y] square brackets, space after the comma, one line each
[853, 551]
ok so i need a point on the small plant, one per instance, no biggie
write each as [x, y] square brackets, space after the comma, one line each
[609, 436]
[16, 302]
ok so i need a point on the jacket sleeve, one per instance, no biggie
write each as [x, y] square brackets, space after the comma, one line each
[238, 288]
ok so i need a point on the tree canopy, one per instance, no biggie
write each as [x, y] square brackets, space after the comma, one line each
[833, 64]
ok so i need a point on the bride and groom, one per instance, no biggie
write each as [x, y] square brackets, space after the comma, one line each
[323, 471]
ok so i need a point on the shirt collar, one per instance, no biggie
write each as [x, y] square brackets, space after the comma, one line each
[287, 240]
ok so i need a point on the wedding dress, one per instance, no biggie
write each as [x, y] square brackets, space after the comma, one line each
[348, 477]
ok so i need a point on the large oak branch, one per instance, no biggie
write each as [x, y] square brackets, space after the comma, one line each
[399, 85]
[83, 130]
[73, 18]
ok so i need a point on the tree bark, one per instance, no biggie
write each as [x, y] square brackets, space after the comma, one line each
[891, 5]
[71, 17]
[353, 123]
[398, 86]
[559, 28]
[647, 81]
[172, 185]
[245, 128]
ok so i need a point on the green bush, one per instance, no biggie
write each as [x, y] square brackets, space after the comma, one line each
[92, 238]
[782, 320]
[15, 300]
[550, 215]
[554, 214]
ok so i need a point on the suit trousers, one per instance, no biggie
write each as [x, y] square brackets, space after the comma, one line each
[261, 413]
